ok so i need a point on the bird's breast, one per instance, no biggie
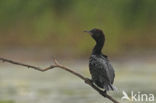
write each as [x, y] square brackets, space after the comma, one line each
[97, 59]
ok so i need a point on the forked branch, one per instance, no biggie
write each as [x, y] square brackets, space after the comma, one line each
[57, 64]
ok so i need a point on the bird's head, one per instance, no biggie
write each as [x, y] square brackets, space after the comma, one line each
[96, 34]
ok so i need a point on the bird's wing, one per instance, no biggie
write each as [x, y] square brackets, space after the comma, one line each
[110, 72]
[99, 69]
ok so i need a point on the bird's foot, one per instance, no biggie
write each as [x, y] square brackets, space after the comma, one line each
[88, 81]
[104, 93]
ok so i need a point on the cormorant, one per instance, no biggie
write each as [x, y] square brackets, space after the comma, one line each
[100, 68]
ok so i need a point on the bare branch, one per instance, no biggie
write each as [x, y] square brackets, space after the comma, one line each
[57, 64]
[21, 64]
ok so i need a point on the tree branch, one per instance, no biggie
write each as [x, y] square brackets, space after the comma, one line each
[57, 64]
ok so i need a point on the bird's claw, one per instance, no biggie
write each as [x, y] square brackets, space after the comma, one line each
[88, 81]
[104, 93]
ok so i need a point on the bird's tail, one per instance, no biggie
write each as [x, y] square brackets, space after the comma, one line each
[109, 87]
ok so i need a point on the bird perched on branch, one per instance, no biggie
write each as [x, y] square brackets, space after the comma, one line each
[100, 68]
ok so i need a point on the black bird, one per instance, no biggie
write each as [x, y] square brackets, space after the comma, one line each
[100, 68]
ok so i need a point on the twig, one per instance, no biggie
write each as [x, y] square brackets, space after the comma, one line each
[57, 64]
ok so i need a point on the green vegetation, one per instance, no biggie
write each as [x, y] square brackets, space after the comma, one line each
[58, 24]
[6, 102]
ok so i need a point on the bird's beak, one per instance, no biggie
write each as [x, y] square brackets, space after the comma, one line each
[88, 32]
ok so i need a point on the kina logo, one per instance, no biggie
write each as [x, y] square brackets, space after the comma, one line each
[138, 97]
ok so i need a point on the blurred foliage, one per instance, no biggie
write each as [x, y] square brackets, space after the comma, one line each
[58, 24]
[6, 101]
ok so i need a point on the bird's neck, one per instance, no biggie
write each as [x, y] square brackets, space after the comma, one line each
[98, 47]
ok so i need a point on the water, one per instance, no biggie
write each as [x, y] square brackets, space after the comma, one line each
[22, 85]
